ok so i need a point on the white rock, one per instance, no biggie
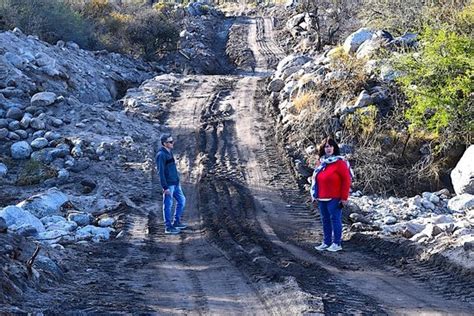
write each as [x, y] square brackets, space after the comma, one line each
[462, 175]
[442, 219]
[43, 99]
[106, 222]
[461, 203]
[94, 233]
[390, 220]
[51, 219]
[353, 41]
[52, 236]
[82, 219]
[67, 226]
[427, 204]
[39, 143]
[14, 215]
[434, 199]
[63, 174]
[44, 204]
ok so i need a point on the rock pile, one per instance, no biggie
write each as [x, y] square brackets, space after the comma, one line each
[51, 218]
[438, 221]
[201, 42]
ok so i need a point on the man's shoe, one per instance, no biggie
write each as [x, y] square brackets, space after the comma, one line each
[180, 225]
[172, 231]
[321, 247]
[334, 248]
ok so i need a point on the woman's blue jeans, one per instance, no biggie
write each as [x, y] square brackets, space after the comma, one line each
[176, 193]
[331, 218]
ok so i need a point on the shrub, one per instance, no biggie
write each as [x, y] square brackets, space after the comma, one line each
[438, 84]
[354, 76]
[96, 9]
[363, 122]
[399, 16]
[149, 32]
[35, 172]
[51, 20]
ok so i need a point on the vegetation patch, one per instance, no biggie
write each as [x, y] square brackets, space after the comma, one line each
[35, 172]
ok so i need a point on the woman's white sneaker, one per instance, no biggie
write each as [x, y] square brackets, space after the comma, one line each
[321, 247]
[334, 248]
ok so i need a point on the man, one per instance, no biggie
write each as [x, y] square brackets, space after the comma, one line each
[169, 179]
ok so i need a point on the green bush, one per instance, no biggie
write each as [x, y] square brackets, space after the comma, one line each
[438, 84]
[51, 20]
[149, 32]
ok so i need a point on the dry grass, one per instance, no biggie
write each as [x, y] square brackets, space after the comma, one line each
[305, 100]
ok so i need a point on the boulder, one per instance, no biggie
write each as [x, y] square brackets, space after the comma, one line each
[353, 41]
[20, 150]
[43, 155]
[461, 203]
[39, 143]
[25, 230]
[276, 85]
[81, 218]
[94, 233]
[43, 99]
[106, 222]
[14, 113]
[295, 20]
[45, 204]
[15, 215]
[406, 40]
[462, 175]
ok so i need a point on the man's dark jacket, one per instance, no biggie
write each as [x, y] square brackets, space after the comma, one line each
[167, 168]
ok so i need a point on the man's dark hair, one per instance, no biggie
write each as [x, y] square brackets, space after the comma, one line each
[331, 142]
[164, 137]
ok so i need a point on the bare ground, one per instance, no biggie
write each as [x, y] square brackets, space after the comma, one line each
[249, 249]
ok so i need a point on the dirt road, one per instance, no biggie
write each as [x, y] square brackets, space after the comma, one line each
[249, 249]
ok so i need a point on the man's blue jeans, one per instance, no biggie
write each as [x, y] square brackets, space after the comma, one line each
[176, 193]
[331, 218]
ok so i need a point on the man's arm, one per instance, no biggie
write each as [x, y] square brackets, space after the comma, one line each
[160, 162]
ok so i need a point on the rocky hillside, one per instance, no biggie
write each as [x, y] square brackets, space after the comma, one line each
[350, 92]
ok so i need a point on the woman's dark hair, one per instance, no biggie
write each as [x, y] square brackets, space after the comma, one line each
[331, 142]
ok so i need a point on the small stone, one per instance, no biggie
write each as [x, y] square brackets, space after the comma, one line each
[13, 136]
[468, 245]
[56, 122]
[3, 170]
[390, 220]
[52, 135]
[39, 143]
[37, 124]
[14, 113]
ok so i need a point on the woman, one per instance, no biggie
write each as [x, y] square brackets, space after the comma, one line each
[331, 182]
